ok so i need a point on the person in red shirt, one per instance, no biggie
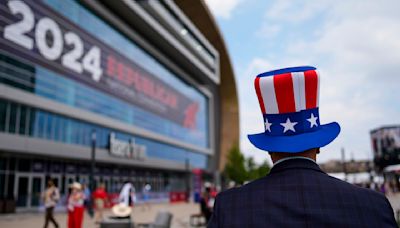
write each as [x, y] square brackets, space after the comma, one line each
[100, 198]
[75, 206]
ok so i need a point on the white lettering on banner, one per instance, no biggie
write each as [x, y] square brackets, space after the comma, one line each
[127, 149]
[44, 27]
[47, 27]
[16, 32]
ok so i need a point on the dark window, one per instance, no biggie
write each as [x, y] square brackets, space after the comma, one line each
[16, 73]
[3, 164]
[11, 164]
[22, 120]
[11, 181]
[32, 117]
[13, 118]
[3, 114]
[2, 185]
[24, 165]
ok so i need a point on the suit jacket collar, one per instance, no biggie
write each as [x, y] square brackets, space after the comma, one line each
[295, 164]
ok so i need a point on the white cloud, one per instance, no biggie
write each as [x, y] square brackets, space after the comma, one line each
[357, 51]
[222, 8]
[295, 11]
[269, 31]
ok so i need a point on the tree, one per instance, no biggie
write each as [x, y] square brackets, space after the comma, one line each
[263, 169]
[235, 167]
[252, 169]
[241, 169]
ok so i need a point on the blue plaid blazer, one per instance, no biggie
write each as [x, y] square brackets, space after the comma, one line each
[297, 193]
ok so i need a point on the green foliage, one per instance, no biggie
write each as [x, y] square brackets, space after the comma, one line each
[235, 168]
[241, 169]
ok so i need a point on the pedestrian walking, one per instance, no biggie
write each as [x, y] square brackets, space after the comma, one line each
[88, 203]
[296, 192]
[206, 201]
[50, 197]
[146, 196]
[127, 196]
[100, 199]
[76, 206]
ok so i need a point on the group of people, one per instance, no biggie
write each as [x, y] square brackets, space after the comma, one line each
[79, 198]
[207, 200]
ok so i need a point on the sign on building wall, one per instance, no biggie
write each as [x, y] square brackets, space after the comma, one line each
[125, 149]
[36, 33]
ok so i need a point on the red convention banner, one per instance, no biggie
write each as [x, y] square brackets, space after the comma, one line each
[37, 34]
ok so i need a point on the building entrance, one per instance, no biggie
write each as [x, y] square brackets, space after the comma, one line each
[28, 189]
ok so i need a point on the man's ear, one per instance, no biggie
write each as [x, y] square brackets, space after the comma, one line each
[318, 151]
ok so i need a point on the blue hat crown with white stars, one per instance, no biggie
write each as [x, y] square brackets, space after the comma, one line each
[289, 102]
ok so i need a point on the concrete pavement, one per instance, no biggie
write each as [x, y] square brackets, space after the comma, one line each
[181, 213]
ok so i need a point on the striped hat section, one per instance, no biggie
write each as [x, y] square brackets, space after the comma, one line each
[289, 102]
[288, 92]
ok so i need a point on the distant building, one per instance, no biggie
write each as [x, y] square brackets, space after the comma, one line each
[336, 166]
[151, 79]
[386, 146]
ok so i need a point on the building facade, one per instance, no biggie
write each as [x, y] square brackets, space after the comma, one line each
[136, 80]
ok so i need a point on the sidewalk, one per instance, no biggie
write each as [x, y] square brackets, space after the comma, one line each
[181, 213]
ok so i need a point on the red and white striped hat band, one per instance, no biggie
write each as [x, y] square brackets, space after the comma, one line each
[288, 92]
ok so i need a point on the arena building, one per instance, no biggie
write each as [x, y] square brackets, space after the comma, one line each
[149, 84]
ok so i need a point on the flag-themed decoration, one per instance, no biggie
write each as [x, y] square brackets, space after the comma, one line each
[289, 102]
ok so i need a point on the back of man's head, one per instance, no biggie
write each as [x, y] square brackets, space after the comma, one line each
[311, 153]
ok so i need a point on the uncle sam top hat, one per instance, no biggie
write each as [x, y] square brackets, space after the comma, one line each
[289, 103]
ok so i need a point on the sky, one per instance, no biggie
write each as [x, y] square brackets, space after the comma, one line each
[355, 45]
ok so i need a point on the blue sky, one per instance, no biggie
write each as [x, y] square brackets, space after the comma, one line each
[354, 44]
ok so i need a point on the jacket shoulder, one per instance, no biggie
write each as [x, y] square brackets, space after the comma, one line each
[242, 190]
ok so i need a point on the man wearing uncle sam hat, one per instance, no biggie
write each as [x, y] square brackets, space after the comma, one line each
[297, 193]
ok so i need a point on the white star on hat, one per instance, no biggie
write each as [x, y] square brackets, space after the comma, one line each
[289, 126]
[313, 121]
[267, 125]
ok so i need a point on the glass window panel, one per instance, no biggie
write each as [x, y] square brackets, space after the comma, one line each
[22, 119]
[13, 118]
[68, 131]
[24, 165]
[56, 128]
[41, 126]
[63, 129]
[3, 163]
[2, 185]
[3, 114]
[32, 121]
[49, 126]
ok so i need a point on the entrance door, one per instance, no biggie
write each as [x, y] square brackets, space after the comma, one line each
[69, 179]
[28, 189]
[36, 189]
[22, 191]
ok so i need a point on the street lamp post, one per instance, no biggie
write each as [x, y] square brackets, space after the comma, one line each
[92, 161]
[187, 169]
[344, 164]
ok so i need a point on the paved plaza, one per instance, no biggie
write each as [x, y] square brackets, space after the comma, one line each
[181, 213]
